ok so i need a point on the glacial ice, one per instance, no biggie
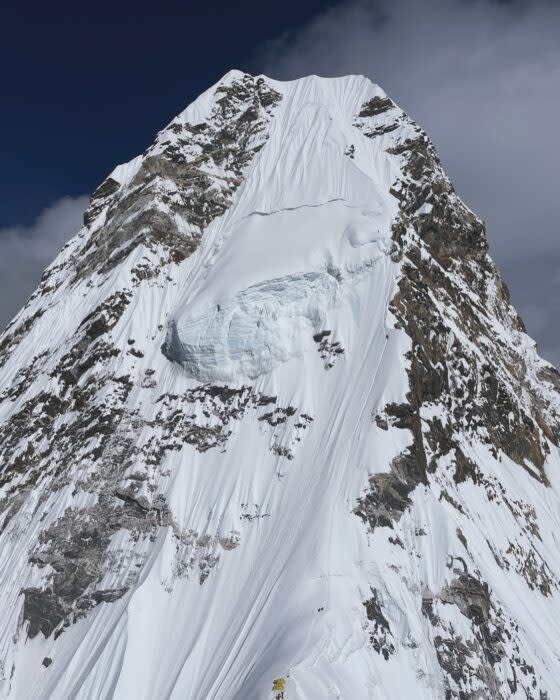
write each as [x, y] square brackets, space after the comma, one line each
[250, 331]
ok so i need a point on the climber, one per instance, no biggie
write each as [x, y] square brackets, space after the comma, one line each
[278, 686]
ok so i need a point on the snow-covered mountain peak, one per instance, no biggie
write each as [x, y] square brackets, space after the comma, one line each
[288, 246]
[269, 424]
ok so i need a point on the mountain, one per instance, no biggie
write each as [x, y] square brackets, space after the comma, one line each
[270, 426]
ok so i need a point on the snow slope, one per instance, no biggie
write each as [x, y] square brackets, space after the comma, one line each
[270, 415]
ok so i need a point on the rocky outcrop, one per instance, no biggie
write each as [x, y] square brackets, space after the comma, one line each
[471, 660]
[448, 293]
[185, 181]
[465, 385]
[380, 633]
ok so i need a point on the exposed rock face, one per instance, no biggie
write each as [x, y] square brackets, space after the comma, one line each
[278, 318]
[464, 382]
[184, 182]
[380, 632]
[470, 660]
[449, 298]
[458, 274]
[75, 548]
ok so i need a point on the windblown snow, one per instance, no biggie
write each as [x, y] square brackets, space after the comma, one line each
[270, 428]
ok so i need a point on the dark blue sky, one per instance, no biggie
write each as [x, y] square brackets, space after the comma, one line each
[83, 90]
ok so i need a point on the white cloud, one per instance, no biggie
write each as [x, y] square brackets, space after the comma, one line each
[25, 251]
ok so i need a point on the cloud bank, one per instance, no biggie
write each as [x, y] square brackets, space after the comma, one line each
[483, 78]
[26, 251]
